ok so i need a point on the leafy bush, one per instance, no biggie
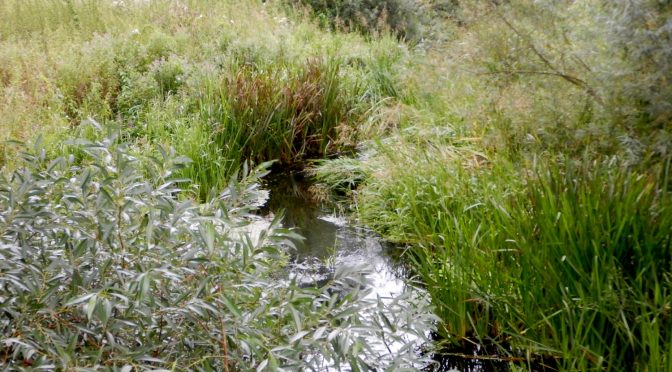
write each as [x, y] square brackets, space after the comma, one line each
[137, 92]
[401, 17]
[169, 74]
[89, 84]
[104, 265]
[641, 35]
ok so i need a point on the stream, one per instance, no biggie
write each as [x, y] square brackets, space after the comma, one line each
[333, 242]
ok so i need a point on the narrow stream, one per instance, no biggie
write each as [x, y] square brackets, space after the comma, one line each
[332, 242]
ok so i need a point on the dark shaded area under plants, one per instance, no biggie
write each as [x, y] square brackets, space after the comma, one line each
[404, 18]
[471, 356]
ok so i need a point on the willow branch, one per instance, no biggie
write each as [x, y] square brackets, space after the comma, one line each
[554, 70]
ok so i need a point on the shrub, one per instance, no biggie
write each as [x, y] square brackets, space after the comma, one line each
[137, 92]
[104, 265]
[642, 32]
[169, 74]
[89, 81]
[401, 17]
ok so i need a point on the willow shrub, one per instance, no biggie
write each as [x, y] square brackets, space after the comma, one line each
[104, 265]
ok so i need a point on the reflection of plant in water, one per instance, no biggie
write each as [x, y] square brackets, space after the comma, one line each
[330, 260]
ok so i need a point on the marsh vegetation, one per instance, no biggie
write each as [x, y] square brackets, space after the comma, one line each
[518, 153]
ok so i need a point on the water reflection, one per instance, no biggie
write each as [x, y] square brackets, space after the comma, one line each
[331, 242]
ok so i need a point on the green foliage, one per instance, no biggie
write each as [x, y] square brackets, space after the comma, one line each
[137, 92]
[533, 188]
[566, 258]
[103, 265]
[525, 160]
[265, 113]
[43, 16]
[641, 31]
[589, 76]
[169, 74]
[603, 234]
[184, 76]
[403, 18]
[341, 175]
[288, 114]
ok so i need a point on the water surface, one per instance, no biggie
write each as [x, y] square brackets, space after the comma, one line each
[333, 242]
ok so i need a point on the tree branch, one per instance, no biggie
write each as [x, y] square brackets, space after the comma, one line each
[554, 70]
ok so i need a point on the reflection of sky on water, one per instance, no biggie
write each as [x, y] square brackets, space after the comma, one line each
[332, 243]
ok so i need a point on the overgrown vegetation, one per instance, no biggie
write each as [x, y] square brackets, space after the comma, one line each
[403, 18]
[190, 75]
[102, 265]
[532, 183]
[520, 149]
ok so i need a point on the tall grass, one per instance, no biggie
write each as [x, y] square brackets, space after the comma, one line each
[189, 75]
[285, 113]
[608, 232]
[569, 260]
[531, 187]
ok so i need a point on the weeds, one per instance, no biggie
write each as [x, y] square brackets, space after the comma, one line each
[404, 18]
[521, 150]
[568, 260]
[229, 100]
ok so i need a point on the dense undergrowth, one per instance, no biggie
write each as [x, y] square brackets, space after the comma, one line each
[529, 177]
[103, 266]
[118, 254]
[192, 75]
[520, 149]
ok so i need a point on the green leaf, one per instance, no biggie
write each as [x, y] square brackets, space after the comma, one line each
[262, 365]
[80, 299]
[297, 318]
[231, 306]
[298, 336]
[91, 306]
[319, 332]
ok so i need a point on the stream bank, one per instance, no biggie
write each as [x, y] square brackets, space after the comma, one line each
[332, 242]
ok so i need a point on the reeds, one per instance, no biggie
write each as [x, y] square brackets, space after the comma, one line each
[570, 260]
[289, 114]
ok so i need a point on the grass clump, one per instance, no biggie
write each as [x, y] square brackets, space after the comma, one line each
[285, 114]
[262, 113]
[567, 260]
